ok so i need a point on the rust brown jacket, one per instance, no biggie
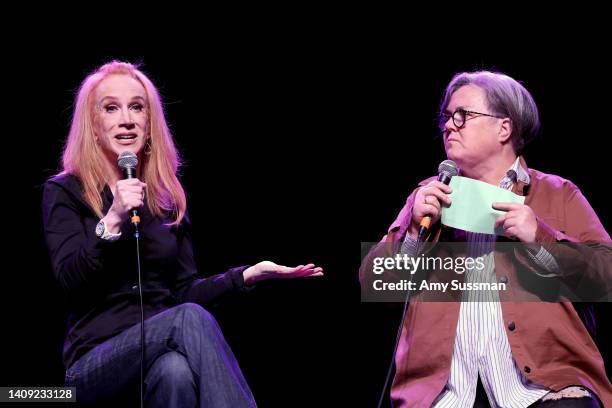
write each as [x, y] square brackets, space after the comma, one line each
[548, 340]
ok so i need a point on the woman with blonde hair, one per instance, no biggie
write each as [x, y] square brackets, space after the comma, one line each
[88, 209]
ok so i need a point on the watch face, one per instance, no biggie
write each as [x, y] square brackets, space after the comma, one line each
[100, 228]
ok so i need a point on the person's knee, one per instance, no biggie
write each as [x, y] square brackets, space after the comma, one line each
[171, 367]
[196, 315]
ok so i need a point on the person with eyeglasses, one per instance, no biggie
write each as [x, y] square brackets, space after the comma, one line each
[501, 354]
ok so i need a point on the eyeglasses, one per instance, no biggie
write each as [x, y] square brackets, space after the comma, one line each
[460, 116]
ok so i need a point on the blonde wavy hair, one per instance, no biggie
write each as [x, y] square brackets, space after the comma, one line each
[83, 157]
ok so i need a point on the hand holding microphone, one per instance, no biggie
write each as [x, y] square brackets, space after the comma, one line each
[128, 195]
[429, 199]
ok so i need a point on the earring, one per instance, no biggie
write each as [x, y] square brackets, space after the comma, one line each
[148, 149]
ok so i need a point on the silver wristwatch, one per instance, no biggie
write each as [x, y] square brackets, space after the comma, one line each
[104, 234]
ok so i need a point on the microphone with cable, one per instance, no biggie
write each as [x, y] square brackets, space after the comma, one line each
[446, 170]
[127, 162]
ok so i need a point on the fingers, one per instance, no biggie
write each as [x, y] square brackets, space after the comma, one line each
[317, 274]
[509, 223]
[438, 193]
[506, 206]
[129, 193]
[310, 270]
[506, 221]
[130, 185]
[500, 220]
[429, 200]
[132, 199]
[287, 269]
[131, 182]
[307, 272]
[441, 186]
[302, 271]
[511, 217]
[511, 232]
[431, 210]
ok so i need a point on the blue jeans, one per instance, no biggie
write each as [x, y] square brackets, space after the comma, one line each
[187, 364]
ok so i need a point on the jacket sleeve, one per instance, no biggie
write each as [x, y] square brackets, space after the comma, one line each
[77, 254]
[582, 250]
[388, 247]
[190, 287]
[391, 242]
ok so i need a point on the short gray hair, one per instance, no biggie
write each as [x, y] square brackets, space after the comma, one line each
[505, 97]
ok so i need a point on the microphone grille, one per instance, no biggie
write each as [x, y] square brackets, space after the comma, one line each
[449, 168]
[127, 160]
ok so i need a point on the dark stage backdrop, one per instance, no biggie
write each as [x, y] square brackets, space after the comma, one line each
[301, 139]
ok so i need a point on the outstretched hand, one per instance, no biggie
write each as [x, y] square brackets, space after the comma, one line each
[269, 270]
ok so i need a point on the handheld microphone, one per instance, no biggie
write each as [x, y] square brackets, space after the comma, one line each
[127, 162]
[446, 170]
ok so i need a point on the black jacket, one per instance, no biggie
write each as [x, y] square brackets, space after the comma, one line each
[100, 278]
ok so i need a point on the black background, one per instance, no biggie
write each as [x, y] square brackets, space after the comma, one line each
[302, 136]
